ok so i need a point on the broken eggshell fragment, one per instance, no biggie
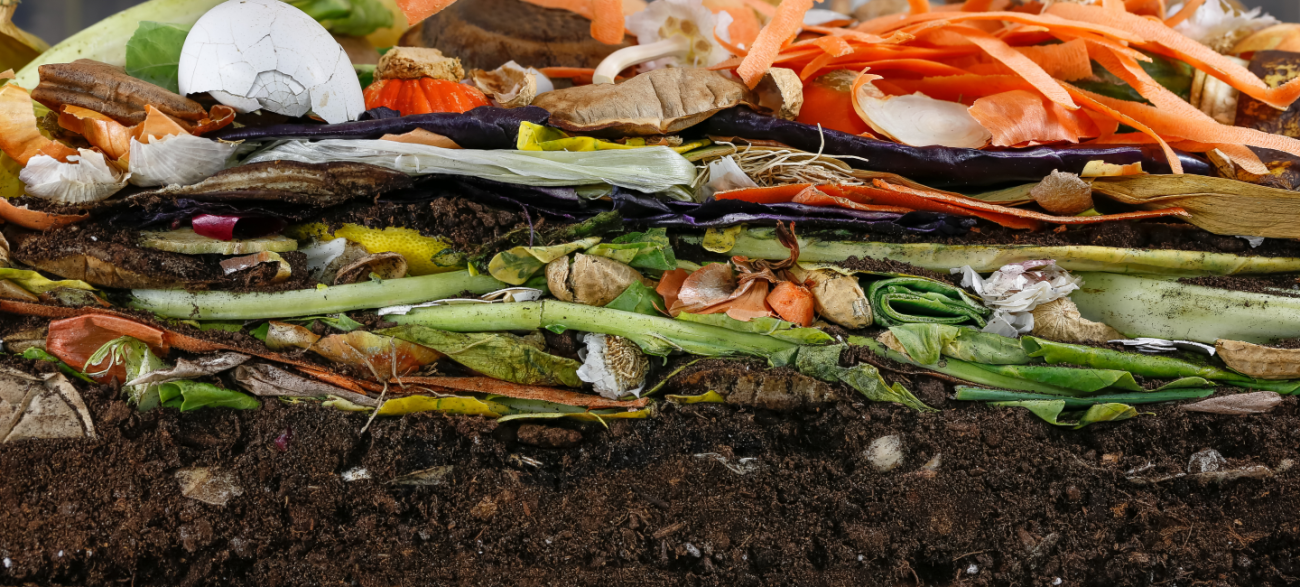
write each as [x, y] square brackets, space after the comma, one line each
[251, 54]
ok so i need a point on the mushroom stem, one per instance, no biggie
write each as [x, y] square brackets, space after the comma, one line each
[675, 46]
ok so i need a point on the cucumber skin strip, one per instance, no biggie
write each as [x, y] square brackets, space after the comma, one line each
[220, 305]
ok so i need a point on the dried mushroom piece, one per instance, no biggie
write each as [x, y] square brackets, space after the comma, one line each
[658, 102]
[1258, 361]
[290, 182]
[109, 90]
[590, 280]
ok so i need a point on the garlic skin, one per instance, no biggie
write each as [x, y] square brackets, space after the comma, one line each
[251, 54]
[177, 160]
[590, 280]
[1061, 321]
[85, 179]
[840, 299]
[614, 365]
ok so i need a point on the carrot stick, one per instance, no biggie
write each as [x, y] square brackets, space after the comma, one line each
[792, 302]
[492, 386]
[784, 25]
[607, 21]
[1155, 35]
[1189, 8]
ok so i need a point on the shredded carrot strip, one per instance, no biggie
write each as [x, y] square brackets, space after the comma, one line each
[918, 6]
[1024, 67]
[1066, 61]
[744, 26]
[418, 10]
[1155, 34]
[834, 46]
[1093, 102]
[976, 206]
[1172, 116]
[778, 194]
[1189, 8]
[1019, 117]
[960, 88]
[792, 302]
[976, 5]
[1244, 158]
[1114, 5]
[761, 7]
[36, 219]
[607, 21]
[580, 7]
[833, 195]
[1053, 22]
[784, 25]
[815, 66]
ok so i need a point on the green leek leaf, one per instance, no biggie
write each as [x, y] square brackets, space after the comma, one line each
[905, 300]
[503, 356]
[967, 393]
[1051, 412]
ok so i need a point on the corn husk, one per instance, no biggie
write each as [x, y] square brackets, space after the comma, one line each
[1257, 361]
[1218, 205]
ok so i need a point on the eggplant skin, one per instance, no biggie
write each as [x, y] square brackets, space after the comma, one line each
[941, 167]
[485, 127]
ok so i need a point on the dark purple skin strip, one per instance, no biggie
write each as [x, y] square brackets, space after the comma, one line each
[485, 127]
[940, 167]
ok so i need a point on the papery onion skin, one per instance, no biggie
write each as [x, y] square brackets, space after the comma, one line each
[177, 160]
[85, 179]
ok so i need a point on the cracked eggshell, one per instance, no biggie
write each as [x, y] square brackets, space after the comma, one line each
[252, 54]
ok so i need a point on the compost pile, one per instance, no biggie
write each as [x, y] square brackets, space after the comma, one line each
[730, 291]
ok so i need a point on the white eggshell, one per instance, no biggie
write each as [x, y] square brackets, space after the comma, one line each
[252, 54]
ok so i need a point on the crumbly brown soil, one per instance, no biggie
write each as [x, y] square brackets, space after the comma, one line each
[1141, 235]
[648, 502]
[1266, 284]
[467, 224]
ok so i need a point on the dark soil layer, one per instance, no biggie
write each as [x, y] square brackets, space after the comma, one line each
[1128, 234]
[650, 502]
[1267, 284]
[467, 224]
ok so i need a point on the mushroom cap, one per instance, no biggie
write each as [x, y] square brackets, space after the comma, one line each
[251, 54]
[485, 34]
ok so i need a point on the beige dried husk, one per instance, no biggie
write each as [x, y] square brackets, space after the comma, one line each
[589, 279]
[658, 102]
[1060, 320]
[1257, 361]
[1063, 193]
[12, 291]
[385, 265]
[511, 87]
[101, 273]
[1218, 205]
[839, 299]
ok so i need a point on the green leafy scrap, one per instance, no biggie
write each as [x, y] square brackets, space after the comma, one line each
[639, 298]
[823, 362]
[500, 355]
[154, 53]
[37, 354]
[926, 342]
[905, 300]
[643, 250]
[767, 325]
[187, 396]
[967, 393]
[517, 265]
[363, 18]
[1053, 412]
[137, 359]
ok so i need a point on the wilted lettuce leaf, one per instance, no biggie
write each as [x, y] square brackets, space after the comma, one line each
[773, 327]
[926, 342]
[36, 354]
[1051, 412]
[644, 250]
[1086, 380]
[191, 395]
[154, 53]
[517, 265]
[823, 362]
[469, 406]
[639, 298]
[323, 9]
[500, 355]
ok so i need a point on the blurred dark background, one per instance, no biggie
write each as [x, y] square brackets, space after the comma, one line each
[55, 20]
